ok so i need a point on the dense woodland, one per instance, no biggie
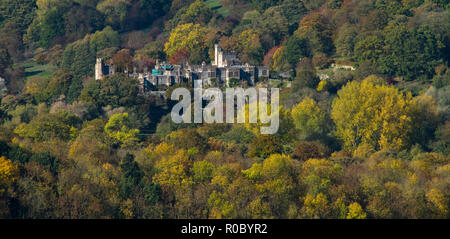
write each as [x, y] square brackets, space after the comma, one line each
[368, 143]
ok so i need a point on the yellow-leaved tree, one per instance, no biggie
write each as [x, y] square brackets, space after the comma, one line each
[279, 62]
[355, 211]
[375, 114]
[251, 47]
[253, 110]
[275, 180]
[438, 202]
[172, 172]
[8, 171]
[189, 37]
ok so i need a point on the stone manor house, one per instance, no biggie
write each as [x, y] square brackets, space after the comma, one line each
[225, 68]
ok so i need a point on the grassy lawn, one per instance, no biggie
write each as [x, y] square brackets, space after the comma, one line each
[33, 69]
[278, 83]
[416, 87]
[216, 5]
[328, 71]
[331, 71]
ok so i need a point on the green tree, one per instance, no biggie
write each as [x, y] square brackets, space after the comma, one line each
[264, 145]
[60, 125]
[5, 60]
[118, 90]
[81, 20]
[114, 11]
[120, 128]
[369, 49]
[198, 13]
[345, 40]
[58, 85]
[74, 91]
[262, 5]
[153, 50]
[375, 20]
[309, 118]
[317, 29]
[51, 27]
[21, 12]
[47, 160]
[293, 10]
[410, 53]
[131, 176]
[295, 49]
[320, 175]
[11, 39]
[202, 171]
[79, 57]
[152, 193]
[19, 154]
[305, 75]
[275, 24]
[104, 39]
[251, 49]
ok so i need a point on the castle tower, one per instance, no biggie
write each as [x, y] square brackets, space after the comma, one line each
[99, 69]
[216, 54]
